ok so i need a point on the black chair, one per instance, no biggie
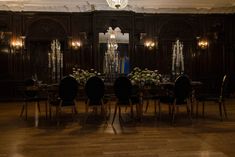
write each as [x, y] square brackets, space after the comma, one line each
[178, 94]
[30, 93]
[218, 98]
[94, 89]
[123, 91]
[68, 89]
[182, 95]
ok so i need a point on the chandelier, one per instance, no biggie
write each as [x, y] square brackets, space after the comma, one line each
[117, 4]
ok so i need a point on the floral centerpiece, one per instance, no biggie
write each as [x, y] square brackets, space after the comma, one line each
[82, 75]
[144, 77]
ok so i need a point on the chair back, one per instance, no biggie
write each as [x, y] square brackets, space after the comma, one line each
[29, 91]
[182, 88]
[68, 88]
[135, 94]
[94, 89]
[123, 88]
[224, 86]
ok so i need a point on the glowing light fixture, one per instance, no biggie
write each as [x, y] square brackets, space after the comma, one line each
[18, 43]
[76, 44]
[149, 44]
[203, 43]
[117, 4]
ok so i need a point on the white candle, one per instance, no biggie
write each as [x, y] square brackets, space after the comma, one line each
[62, 59]
[49, 60]
[173, 59]
[182, 58]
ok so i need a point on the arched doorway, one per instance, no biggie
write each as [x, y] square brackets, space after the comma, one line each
[38, 42]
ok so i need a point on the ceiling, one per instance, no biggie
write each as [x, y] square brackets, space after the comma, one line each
[142, 6]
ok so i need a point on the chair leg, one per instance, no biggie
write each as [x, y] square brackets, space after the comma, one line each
[177, 109]
[189, 110]
[220, 111]
[170, 109]
[46, 108]
[104, 113]
[75, 110]
[38, 105]
[115, 112]
[125, 108]
[109, 106]
[159, 108]
[138, 112]
[107, 109]
[132, 113]
[197, 103]
[119, 113]
[147, 105]
[140, 104]
[225, 110]
[50, 111]
[203, 109]
[58, 114]
[22, 110]
[155, 107]
[173, 112]
[192, 106]
[37, 114]
[86, 110]
[26, 111]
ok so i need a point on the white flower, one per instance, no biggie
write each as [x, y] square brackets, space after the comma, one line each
[145, 76]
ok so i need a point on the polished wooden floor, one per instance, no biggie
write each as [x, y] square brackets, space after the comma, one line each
[151, 137]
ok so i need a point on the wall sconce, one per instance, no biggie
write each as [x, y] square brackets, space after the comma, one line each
[18, 43]
[150, 44]
[76, 45]
[203, 43]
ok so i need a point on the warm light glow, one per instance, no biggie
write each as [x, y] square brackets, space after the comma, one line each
[149, 44]
[203, 43]
[117, 4]
[76, 44]
[17, 44]
[112, 36]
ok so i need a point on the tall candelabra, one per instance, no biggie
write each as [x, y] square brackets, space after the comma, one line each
[111, 58]
[177, 58]
[55, 61]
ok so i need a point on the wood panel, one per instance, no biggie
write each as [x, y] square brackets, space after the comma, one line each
[205, 65]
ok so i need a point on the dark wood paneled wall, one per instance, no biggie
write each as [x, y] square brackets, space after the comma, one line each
[40, 28]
